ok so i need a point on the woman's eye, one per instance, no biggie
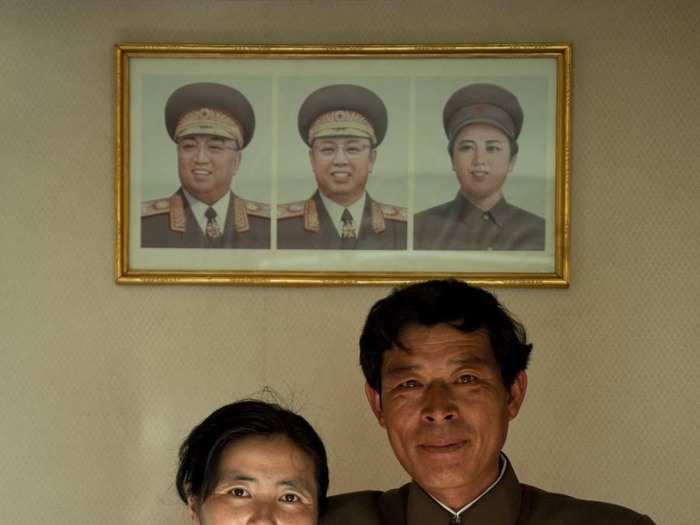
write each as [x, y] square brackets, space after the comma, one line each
[493, 149]
[239, 492]
[290, 498]
[466, 379]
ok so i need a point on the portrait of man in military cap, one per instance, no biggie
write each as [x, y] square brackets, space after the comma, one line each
[210, 124]
[482, 122]
[342, 125]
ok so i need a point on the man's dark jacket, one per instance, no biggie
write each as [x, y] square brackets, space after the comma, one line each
[307, 225]
[507, 503]
[170, 223]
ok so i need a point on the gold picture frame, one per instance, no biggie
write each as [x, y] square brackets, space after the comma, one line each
[413, 171]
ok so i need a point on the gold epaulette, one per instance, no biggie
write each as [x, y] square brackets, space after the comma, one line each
[393, 213]
[173, 205]
[290, 210]
[383, 212]
[242, 208]
[306, 208]
[257, 209]
[155, 207]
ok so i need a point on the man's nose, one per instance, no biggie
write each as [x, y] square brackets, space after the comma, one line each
[438, 403]
[340, 156]
[201, 153]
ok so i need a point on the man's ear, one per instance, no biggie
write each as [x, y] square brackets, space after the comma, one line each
[372, 159]
[516, 394]
[237, 162]
[374, 399]
[193, 506]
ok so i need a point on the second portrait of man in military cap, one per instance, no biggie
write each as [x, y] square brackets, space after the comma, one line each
[342, 125]
[210, 124]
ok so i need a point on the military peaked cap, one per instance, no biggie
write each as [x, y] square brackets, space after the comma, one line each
[343, 110]
[485, 104]
[210, 108]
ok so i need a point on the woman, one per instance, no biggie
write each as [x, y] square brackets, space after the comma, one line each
[482, 123]
[253, 461]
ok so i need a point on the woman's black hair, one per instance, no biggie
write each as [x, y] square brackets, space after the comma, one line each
[201, 451]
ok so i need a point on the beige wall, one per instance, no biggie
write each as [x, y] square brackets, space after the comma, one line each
[99, 383]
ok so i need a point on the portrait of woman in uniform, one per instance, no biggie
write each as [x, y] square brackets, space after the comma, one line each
[482, 123]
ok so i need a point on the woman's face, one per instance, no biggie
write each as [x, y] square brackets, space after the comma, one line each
[261, 479]
[481, 159]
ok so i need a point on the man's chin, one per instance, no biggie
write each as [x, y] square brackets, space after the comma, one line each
[343, 198]
[442, 480]
[206, 196]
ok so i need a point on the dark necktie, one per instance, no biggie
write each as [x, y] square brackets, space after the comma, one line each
[348, 230]
[213, 231]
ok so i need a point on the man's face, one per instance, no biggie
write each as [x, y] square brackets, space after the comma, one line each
[341, 166]
[481, 159]
[206, 165]
[446, 410]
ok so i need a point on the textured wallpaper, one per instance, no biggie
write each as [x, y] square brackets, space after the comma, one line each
[99, 383]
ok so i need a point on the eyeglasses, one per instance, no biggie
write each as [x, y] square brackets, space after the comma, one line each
[213, 148]
[329, 151]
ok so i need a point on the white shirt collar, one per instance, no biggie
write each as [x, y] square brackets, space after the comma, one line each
[335, 210]
[199, 208]
[455, 515]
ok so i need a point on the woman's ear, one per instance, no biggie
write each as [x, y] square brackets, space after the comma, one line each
[193, 506]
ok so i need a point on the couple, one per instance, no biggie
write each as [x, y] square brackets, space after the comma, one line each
[445, 369]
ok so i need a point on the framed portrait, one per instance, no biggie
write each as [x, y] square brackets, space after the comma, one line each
[343, 165]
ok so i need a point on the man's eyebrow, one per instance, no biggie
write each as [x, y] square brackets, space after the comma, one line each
[400, 369]
[469, 360]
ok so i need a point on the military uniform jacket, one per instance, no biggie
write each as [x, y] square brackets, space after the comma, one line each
[459, 225]
[507, 503]
[170, 223]
[307, 225]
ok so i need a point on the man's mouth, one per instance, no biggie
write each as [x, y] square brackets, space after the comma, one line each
[442, 447]
[340, 175]
[201, 173]
[479, 174]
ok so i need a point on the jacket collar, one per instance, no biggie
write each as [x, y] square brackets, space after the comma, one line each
[499, 213]
[499, 506]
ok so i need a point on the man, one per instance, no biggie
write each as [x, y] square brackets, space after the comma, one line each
[482, 123]
[210, 125]
[342, 125]
[445, 369]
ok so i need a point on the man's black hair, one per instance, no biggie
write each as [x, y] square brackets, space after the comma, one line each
[453, 302]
